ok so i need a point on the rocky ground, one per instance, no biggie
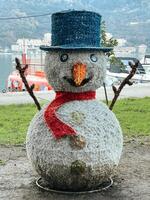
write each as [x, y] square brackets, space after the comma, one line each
[17, 179]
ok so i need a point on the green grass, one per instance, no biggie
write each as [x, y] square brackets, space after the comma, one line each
[14, 121]
[133, 114]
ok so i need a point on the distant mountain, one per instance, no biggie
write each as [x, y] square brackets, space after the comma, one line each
[124, 18]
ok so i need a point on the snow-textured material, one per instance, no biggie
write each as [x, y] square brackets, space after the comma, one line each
[53, 158]
[76, 163]
[56, 70]
[56, 125]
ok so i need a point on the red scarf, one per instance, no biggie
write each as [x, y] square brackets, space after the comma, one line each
[58, 127]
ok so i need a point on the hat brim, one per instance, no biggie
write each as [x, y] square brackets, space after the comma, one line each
[56, 48]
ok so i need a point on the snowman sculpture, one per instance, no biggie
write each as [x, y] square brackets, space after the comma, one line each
[75, 142]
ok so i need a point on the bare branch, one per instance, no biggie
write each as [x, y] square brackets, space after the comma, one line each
[32, 86]
[126, 81]
[24, 80]
[114, 89]
[130, 83]
[25, 68]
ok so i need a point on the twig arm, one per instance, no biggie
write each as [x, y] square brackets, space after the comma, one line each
[126, 81]
[24, 80]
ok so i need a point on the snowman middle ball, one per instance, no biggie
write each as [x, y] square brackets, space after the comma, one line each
[83, 161]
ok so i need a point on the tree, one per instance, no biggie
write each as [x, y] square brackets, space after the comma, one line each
[110, 42]
[107, 42]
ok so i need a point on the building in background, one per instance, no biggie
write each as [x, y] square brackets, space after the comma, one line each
[129, 51]
[25, 45]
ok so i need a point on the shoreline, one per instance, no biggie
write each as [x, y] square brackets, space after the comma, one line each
[135, 91]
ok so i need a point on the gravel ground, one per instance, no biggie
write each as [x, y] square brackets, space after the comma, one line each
[17, 179]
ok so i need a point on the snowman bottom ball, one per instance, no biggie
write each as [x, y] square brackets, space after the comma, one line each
[80, 164]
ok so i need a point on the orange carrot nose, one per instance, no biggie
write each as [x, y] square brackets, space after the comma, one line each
[79, 73]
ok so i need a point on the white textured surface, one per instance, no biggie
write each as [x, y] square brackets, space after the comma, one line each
[56, 70]
[53, 158]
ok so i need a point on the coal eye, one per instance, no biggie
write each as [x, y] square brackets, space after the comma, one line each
[93, 58]
[64, 57]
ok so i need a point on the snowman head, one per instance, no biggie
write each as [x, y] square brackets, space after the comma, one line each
[75, 70]
[76, 61]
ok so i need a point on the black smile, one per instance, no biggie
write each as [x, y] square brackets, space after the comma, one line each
[71, 81]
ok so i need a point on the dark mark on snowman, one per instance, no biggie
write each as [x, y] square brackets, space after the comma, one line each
[77, 141]
[78, 167]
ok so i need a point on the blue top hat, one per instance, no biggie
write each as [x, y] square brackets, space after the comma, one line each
[76, 30]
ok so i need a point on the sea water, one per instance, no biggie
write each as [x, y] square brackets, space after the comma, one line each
[5, 69]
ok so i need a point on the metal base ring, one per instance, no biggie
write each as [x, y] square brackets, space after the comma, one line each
[100, 188]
